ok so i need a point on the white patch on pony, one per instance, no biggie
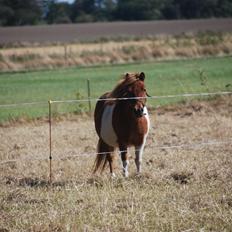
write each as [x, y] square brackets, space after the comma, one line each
[145, 111]
[139, 149]
[125, 164]
[107, 131]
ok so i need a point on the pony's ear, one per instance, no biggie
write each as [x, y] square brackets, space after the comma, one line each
[142, 76]
[127, 75]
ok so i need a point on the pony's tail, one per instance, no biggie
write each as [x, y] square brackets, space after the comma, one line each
[101, 158]
[100, 163]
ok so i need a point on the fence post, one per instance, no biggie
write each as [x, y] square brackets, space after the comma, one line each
[89, 94]
[66, 54]
[50, 140]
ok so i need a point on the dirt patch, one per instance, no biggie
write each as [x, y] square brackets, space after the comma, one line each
[182, 178]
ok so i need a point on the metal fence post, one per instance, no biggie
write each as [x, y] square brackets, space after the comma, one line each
[50, 140]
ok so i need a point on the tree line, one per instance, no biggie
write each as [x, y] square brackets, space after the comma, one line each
[32, 12]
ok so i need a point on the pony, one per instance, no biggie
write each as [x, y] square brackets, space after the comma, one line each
[121, 120]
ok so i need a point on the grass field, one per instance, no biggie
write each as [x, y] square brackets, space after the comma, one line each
[162, 78]
[186, 180]
[180, 189]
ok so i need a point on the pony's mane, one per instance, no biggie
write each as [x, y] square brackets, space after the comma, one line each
[121, 88]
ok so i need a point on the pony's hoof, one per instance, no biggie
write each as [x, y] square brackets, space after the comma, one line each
[126, 174]
[113, 175]
[138, 174]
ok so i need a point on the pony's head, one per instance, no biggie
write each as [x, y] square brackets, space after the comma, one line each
[132, 86]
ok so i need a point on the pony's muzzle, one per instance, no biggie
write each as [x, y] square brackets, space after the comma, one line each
[139, 112]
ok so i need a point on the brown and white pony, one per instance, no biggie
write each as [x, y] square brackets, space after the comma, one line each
[122, 122]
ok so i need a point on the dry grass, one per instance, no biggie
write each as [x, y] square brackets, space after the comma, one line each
[113, 52]
[187, 189]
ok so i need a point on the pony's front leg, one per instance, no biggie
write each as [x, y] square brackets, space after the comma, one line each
[138, 157]
[125, 161]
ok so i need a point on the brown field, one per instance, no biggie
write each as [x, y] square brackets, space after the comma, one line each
[115, 52]
[181, 189]
[47, 47]
[93, 31]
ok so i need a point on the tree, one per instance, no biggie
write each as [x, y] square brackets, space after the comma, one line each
[105, 10]
[17, 12]
[58, 13]
[83, 11]
[5, 14]
[223, 8]
[171, 10]
[138, 10]
[189, 9]
[30, 12]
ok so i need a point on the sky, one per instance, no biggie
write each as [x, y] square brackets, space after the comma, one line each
[69, 1]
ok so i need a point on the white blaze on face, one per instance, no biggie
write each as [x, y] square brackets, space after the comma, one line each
[107, 131]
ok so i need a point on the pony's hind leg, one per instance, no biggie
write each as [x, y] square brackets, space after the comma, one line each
[111, 158]
[125, 161]
[104, 154]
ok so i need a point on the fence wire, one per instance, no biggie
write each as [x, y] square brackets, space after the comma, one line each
[116, 99]
[176, 146]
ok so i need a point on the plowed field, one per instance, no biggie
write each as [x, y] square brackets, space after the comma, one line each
[93, 31]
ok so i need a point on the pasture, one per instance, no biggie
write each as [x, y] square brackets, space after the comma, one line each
[186, 188]
[163, 78]
[186, 182]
